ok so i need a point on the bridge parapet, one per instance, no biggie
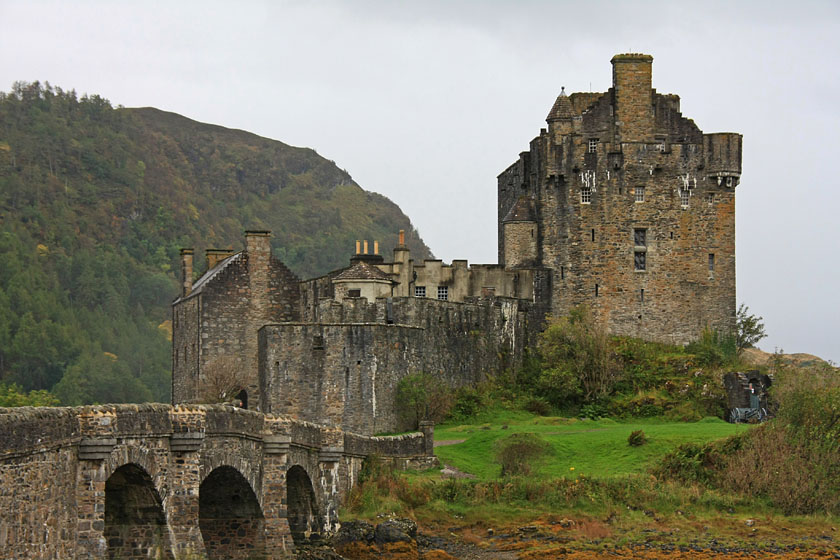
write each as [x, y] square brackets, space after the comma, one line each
[65, 469]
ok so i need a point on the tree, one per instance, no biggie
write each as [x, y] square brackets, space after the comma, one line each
[749, 329]
[422, 396]
[221, 380]
[577, 360]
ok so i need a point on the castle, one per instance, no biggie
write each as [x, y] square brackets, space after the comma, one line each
[621, 204]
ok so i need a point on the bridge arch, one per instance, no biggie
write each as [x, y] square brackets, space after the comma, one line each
[135, 525]
[302, 510]
[230, 516]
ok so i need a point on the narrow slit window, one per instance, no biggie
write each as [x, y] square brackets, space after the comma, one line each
[585, 195]
[642, 295]
[711, 262]
[596, 290]
[562, 272]
[593, 235]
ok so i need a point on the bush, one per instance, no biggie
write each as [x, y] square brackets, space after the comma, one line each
[469, 401]
[538, 406]
[594, 411]
[714, 348]
[577, 358]
[636, 438]
[519, 453]
[422, 396]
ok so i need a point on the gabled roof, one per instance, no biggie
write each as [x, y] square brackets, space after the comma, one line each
[522, 211]
[212, 273]
[362, 271]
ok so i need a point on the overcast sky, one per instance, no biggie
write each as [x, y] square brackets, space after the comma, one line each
[426, 102]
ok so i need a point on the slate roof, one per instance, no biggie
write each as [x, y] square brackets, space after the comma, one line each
[562, 108]
[362, 271]
[522, 211]
[212, 273]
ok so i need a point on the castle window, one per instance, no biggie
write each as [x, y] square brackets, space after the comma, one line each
[354, 293]
[596, 290]
[593, 235]
[684, 197]
[585, 195]
[642, 295]
[640, 260]
[711, 262]
[419, 291]
[593, 145]
[443, 292]
[710, 198]
[640, 194]
[640, 237]
[562, 272]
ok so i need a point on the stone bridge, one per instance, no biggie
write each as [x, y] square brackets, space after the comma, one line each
[160, 481]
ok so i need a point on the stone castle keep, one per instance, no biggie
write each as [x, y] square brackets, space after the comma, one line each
[621, 204]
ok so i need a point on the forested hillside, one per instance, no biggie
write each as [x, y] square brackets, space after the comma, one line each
[95, 203]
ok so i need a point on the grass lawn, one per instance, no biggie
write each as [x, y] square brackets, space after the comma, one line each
[593, 448]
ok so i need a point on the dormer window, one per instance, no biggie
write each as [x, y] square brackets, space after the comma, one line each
[585, 195]
[593, 145]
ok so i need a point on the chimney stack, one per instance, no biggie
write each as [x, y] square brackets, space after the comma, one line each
[186, 271]
[213, 257]
[402, 238]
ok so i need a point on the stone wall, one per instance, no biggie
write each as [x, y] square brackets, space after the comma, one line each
[344, 369]
[94, 482]
[626, 160]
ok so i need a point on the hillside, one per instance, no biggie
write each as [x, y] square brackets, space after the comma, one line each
[95, 203]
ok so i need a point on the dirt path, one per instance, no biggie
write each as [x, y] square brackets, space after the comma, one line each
[441, 443]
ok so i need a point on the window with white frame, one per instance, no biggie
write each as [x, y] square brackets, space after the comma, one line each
[585, 195]
[684, 197]
[419, 291]
[443, 292]
[640, 194]
[593, 145]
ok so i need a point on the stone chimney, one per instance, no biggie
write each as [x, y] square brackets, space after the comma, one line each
[633, 99]
[186, 271]
[258, 251]
[213, 257]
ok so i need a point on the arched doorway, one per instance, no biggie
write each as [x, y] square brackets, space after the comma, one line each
[135, 526]
[230, 517]
[302, 508]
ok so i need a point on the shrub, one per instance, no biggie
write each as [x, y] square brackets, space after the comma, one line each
[469, 401]
[636, 438]
[714, 348]
[539, 406]
[519, 453]
[577, 358]
[593, 411]
[422, 396]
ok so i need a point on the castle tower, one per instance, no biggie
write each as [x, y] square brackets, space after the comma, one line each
[520, 231]
[633, 208]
